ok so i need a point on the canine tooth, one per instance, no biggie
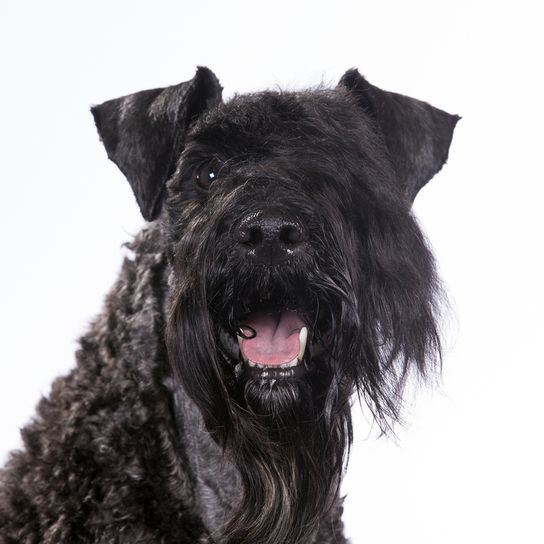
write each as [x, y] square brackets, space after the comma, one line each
[302, 337]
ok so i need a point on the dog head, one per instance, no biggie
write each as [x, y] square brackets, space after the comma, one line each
[298, 274]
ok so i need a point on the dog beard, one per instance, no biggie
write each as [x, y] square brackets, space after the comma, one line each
[290, 458]
[287, 437]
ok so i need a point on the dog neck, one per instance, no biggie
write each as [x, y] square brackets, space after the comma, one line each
[215, 479]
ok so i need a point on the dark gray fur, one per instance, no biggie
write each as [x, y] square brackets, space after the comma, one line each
[117, 453]
[156, 436]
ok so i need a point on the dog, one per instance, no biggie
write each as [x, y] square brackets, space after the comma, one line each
[280, 273]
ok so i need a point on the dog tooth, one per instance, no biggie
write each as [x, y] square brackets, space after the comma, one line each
[303, 337]
[261, 366]
[291, 364]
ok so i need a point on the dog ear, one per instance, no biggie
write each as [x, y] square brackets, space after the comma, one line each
[143, 133]
[417, 135]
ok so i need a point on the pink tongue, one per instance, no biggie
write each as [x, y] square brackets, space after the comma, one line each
[277, 337]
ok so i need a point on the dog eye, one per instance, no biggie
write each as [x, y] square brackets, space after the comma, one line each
[206, 174]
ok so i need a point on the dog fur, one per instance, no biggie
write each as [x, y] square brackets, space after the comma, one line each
[274, 202]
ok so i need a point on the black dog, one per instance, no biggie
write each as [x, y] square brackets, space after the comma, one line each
[281, 271]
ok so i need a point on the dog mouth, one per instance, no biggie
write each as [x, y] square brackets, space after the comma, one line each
[271, 342]
[273, 330]
[273, 339]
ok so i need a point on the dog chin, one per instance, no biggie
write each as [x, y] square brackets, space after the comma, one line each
[283, 401]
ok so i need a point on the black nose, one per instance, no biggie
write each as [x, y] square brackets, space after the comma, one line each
[271, 237]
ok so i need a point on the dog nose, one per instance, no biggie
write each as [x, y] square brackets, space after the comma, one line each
[270, 237]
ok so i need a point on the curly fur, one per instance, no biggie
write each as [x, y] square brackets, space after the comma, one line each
[159, 434]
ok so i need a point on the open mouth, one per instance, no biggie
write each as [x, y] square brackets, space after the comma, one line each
[272, 343]
[273, 339]
[272, 331]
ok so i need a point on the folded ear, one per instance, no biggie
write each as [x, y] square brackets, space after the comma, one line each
[143, 133]
[417, 135]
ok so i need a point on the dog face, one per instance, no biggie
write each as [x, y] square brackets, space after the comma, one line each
[274, 207]
[298, 274]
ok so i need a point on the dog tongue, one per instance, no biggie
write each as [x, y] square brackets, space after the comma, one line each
[276, 338]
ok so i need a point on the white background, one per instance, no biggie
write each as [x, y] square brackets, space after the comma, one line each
[469, 466]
